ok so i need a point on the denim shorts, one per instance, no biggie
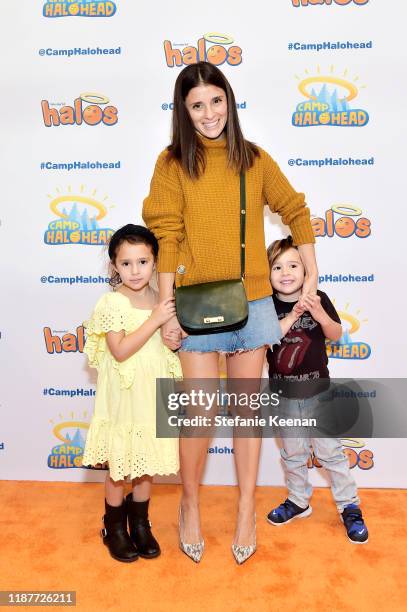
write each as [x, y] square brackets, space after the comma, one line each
[262, 328]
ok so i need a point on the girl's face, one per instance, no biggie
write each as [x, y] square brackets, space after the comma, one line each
[135, 264]
[208, 109]
[287, 275]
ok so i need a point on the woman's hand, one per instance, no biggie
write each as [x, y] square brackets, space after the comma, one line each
[312, 303]
[172, 333]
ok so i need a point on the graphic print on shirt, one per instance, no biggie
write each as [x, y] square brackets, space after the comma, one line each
[290, 353]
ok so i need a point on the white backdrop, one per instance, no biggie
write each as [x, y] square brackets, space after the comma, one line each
[71, 176]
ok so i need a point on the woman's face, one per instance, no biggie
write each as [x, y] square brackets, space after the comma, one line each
[208, 109]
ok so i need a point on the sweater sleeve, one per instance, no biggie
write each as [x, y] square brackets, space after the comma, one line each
[163, 212]
[282, 198]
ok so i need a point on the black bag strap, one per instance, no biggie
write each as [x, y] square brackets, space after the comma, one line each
[242, 223]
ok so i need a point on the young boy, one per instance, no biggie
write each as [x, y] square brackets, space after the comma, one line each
[300, 361]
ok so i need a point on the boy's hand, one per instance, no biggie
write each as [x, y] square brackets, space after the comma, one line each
[292, 317]
[298, 310]
[312, 303]
[164, 311]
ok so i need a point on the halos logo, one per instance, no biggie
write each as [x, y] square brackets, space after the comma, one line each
[212, 47]
[93, 114]
[344, 225]
[63, 341]
[345, 348]
[298, 3]
[328, 106]
[363, 459]
[79, 8]
[77, 222]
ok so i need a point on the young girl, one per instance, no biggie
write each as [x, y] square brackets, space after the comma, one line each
[124, 345]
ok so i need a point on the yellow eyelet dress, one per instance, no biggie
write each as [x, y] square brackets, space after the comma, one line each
[123, 426]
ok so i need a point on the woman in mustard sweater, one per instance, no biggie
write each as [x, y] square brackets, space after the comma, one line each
[193, 209]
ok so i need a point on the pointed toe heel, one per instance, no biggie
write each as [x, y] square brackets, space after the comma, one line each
[242, 553]
[193, 551]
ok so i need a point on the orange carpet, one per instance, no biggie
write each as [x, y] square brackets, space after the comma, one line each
[50, 541]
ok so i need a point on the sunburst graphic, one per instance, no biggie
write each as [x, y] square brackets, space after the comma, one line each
[345, 91]
[352, 320]
[77, 199]
[60, 428]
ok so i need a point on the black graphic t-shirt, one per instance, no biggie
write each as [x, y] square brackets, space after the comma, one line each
[300, 361]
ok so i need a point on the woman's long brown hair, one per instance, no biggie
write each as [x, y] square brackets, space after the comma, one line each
[185, 146]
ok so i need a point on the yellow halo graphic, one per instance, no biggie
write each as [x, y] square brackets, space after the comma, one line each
[93, 98]
[57, 429]
[77, 198]
[354, 323]
[219, 39]
[353, 442]
[349, 211]
[353, 91]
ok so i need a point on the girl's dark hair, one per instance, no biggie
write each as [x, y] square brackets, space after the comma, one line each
[185, 146]
[135, 234]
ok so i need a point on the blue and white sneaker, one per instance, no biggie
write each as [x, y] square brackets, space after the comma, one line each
[286, 512]
[354, 524]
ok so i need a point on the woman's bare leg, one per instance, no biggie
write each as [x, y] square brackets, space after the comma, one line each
[193, 450]
[246, 450]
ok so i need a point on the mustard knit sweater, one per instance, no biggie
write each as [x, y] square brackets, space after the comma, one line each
[197, 222]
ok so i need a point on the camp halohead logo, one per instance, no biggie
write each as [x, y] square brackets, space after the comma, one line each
[326, 101]
[299, 3]
[213, 47]
[71, 434]
[79, 8]
[69, 452]
[78, 218]
[346, 347]
[88, 108]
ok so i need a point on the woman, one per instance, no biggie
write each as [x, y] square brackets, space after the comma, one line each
[193, 209]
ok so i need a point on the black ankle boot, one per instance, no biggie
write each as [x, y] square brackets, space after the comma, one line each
[140, 528]
[115, 534]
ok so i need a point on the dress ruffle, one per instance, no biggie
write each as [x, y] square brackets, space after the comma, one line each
[130, 450]
[174, 364]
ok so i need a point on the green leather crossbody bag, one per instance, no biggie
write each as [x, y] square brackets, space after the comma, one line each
[219, 306]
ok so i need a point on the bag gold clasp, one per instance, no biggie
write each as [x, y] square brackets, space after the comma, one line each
[214, 319]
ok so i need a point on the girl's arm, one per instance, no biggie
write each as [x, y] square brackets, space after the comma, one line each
[122, 347]
[171, 331]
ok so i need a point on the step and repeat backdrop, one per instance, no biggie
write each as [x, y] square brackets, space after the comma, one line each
[86, 109]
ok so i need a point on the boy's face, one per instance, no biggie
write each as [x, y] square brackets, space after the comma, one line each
[287, 275]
